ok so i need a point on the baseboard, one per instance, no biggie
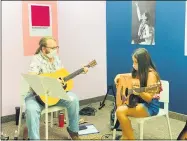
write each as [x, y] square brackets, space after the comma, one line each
[172, 115]
[91, 100]
[178, 116]
[95, 99]
[8, 118]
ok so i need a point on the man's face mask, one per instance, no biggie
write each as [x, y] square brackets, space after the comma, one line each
[52, 53]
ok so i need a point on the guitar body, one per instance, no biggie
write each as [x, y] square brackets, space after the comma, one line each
[68, 79]
[61, 73]
[183, 133]
[125, 84]
[58, 74]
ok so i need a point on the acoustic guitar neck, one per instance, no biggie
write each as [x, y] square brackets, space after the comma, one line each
[74, 74]
[138, 90]
[79, 71]
[152, 88]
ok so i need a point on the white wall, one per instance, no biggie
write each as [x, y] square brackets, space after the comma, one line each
[82, 37]
[13, 61]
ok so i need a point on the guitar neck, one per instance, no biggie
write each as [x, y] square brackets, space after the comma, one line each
[72, 75]
[139, 90]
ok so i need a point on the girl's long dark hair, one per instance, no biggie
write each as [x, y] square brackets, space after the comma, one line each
[144, 64]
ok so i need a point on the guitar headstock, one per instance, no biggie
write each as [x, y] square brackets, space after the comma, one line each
[92, 64]
[155, 88]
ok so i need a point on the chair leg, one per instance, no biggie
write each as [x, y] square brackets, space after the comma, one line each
[51, 119]
[20, 117]
[114, 130]
[114, 134]
[46, 125]
[66, 115]
[141, 124]
[67, 121]
[169, 127]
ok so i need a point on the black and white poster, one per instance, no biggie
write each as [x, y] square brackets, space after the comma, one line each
[143, 22]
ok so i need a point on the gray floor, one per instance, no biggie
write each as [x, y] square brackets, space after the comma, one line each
[153, 129]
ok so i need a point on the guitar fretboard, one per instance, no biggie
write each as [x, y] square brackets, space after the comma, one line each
[79, 71]
[72, 75]
[139, 90]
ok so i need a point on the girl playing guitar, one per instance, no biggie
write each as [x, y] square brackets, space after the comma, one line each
[143, 74]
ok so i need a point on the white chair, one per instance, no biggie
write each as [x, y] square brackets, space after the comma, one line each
[24, 89]
[164, 97]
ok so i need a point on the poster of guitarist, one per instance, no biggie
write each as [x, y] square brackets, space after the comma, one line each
[143, 23]
[46, 60]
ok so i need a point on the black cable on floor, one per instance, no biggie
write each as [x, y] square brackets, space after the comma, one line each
[88, 111]
[106, 136]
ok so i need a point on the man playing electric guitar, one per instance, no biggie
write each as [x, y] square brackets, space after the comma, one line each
[46, 60]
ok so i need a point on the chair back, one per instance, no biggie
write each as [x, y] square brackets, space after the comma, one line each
[164, 95]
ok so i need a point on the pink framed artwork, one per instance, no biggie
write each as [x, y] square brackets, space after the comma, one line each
[39, 20]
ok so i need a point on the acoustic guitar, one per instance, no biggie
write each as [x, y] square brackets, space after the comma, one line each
[183, 133]
[61, 74]
[125, 90]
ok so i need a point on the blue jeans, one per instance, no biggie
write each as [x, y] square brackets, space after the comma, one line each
[152, 107]
[33, 110]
